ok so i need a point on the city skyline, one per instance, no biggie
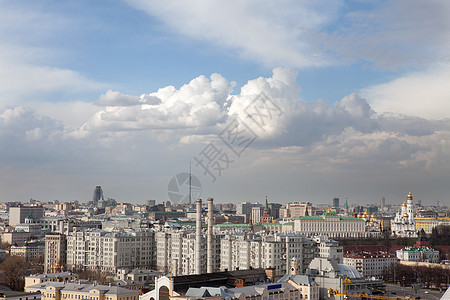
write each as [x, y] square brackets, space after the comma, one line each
[128, 94]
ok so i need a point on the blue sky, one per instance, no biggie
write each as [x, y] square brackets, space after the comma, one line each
[85, 97]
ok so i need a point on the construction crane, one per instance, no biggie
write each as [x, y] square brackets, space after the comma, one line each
[347, 294]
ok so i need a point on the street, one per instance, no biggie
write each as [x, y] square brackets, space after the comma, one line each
[396, 290]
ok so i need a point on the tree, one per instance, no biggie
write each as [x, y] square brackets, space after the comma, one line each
[13, 270]
[102, 277]
[440, 236]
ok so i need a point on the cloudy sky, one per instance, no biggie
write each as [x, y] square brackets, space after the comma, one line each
[296, 100]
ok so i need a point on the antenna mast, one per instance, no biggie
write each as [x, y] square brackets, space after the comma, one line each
[190, 183]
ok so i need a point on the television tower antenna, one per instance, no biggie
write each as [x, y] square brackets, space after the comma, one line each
[190, 184]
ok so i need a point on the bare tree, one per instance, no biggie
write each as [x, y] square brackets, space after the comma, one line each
[12, 272]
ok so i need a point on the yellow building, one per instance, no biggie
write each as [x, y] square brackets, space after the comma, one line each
[55, 277]
[75, 291]
[427, 224]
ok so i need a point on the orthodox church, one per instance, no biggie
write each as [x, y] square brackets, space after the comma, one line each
[403, 225]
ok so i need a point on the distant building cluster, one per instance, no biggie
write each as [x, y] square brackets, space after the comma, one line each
[290, 250]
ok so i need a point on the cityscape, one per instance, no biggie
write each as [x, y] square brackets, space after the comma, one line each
[224, 150]
[202, 249]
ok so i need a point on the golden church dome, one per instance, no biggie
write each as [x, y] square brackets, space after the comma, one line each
[404, 204]
[410, 196]
[405, 215]
[372, 216]
[359, 216]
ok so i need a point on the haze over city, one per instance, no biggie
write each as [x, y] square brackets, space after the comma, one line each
[128, 94]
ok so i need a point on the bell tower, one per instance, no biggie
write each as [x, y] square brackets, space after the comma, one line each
[293, 269]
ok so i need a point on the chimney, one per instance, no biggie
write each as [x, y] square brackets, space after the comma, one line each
[209, 245]
[198, 237]
[287, 254]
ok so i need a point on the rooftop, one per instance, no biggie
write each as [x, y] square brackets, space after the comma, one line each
[53, 275]
[82, 288]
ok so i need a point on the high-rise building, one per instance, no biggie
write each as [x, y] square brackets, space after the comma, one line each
[273, 251]
[98, 194]
[55, 252]
[336, 202]
[382, 202]
[257, 213]
[107, 251]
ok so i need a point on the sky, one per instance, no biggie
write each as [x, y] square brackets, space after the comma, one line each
[293, 100]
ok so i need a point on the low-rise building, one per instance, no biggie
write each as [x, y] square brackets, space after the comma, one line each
[14, 295]
[419, 254]
[333, 226]
[52, 277]
[427, 224]
[63, 291]
[328, 274]
[370, 264]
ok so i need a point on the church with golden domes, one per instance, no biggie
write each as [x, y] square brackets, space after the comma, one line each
[403, 225]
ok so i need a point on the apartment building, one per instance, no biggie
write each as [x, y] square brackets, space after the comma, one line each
[108, 251]
[270, 252]
[175, 251]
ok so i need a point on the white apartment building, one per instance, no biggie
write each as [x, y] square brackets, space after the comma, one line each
[274, 251]
[108, 251]
[175, 252]
[370, 265]
[329, 248]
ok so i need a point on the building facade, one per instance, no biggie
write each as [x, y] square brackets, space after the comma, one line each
[419, 254]
[238, 252]
[29, 250]
[333, 226]
[175, 251]
[63, 291]
[55, 252]
[427, 224]
[328, 248]
[297, 210]
[404, 225]
[370, 264]
[108, 251]
[18, 214]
